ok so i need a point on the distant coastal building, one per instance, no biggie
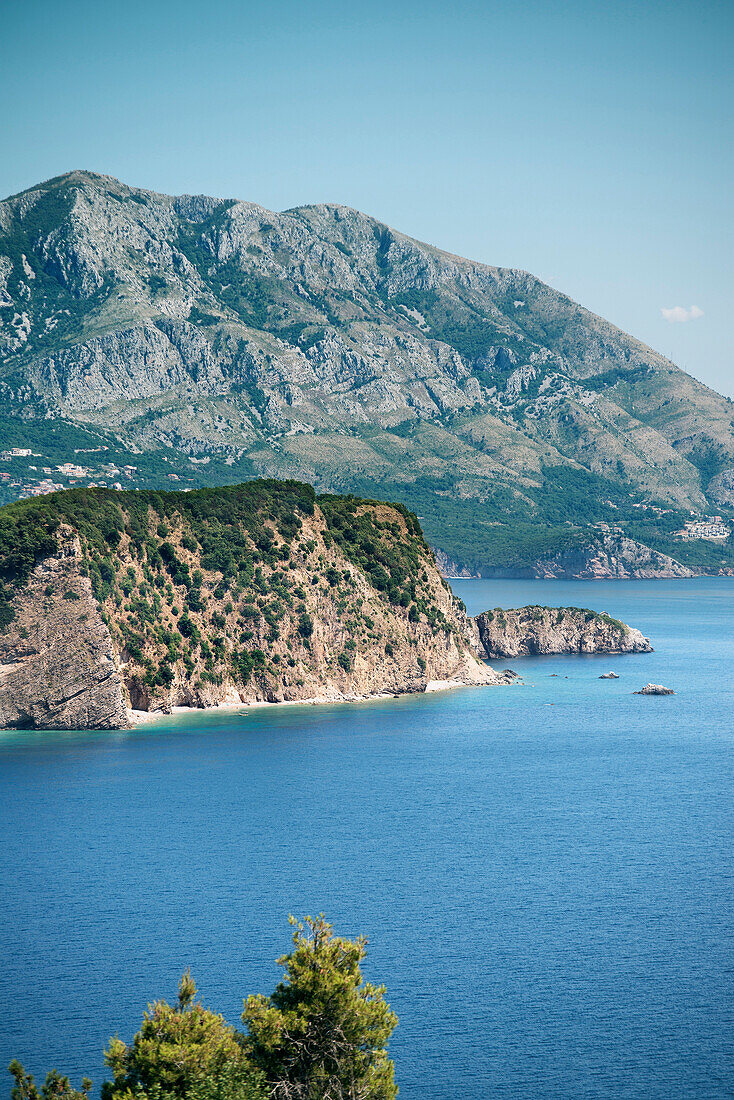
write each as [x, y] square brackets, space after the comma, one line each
[42, 487]
[705, 528]
[68, 469]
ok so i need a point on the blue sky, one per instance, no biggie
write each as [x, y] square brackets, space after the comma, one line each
[590, 143]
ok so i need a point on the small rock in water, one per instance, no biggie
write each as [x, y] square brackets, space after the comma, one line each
[609, 676]
[654, 689]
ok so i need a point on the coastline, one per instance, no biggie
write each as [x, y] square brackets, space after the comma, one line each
[142, 717]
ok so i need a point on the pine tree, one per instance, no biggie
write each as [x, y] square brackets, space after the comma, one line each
[323, 1033]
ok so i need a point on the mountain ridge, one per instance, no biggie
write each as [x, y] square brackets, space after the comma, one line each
[214, 337]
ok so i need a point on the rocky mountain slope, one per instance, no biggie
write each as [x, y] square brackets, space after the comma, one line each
[609, 555]
[149, 338]
[528, 631]
[113, 602]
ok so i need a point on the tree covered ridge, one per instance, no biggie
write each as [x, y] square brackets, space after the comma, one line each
[222, 517]
[321, 1035]
[223, 586]
[541, 612]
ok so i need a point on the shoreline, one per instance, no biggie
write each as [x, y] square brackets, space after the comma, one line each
[142, 717]
[596, 579]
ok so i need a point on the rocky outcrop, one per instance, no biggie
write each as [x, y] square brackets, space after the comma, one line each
[200, 605]
[451, 569]
[610, 557]
[529, 631]
[654, 689]
[721, 488]
[58, 668]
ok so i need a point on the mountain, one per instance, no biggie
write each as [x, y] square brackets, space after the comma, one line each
[113, 602]
[147, 339]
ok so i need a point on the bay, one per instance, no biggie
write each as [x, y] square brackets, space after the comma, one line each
[544, 871]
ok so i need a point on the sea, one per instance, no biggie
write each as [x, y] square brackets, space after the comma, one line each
[544, 871]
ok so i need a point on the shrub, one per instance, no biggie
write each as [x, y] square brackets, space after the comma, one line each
[182, 1051]
[323, 1033]
[305, 625]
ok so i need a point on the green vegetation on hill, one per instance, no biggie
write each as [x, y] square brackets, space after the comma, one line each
[232, 527]
[537, 612]
[392, 565]
[507, 533]
[698, 554]
[322, 1033]
[222, 585]
[504, 532]
[227, 524]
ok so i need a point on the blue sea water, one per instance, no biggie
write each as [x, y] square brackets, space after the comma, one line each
[544, 872]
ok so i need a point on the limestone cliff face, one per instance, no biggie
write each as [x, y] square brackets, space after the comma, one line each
[161, 617]
[527, 631]
[451, 569]
[611, 557]
[58, 667]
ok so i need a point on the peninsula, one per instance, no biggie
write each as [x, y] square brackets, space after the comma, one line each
[114, 603]
[118, 605]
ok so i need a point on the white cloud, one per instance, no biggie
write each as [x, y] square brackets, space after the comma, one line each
[680, 314]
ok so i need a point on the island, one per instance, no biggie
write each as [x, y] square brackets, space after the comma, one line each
[528, 631]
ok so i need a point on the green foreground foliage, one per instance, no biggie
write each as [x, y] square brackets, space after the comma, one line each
[322, 1035]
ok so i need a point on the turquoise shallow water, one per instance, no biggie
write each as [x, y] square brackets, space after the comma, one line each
[544, 872]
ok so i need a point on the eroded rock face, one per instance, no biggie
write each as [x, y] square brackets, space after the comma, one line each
[449, 568]
[529, 631]
[721, 488]
[58, 669]
[613, 557]
[322, 632]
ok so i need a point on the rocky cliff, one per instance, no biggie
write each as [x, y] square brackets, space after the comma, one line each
[115, 602]
[451, 569]
[58, 668]
[208, 340]
[528, 631]
[609, 557]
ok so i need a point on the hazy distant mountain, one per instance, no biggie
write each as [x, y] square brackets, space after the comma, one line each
[216, 340]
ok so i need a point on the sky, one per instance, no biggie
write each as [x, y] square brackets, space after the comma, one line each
[588, 142]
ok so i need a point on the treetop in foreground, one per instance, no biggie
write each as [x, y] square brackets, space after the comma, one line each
[322, 1035]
